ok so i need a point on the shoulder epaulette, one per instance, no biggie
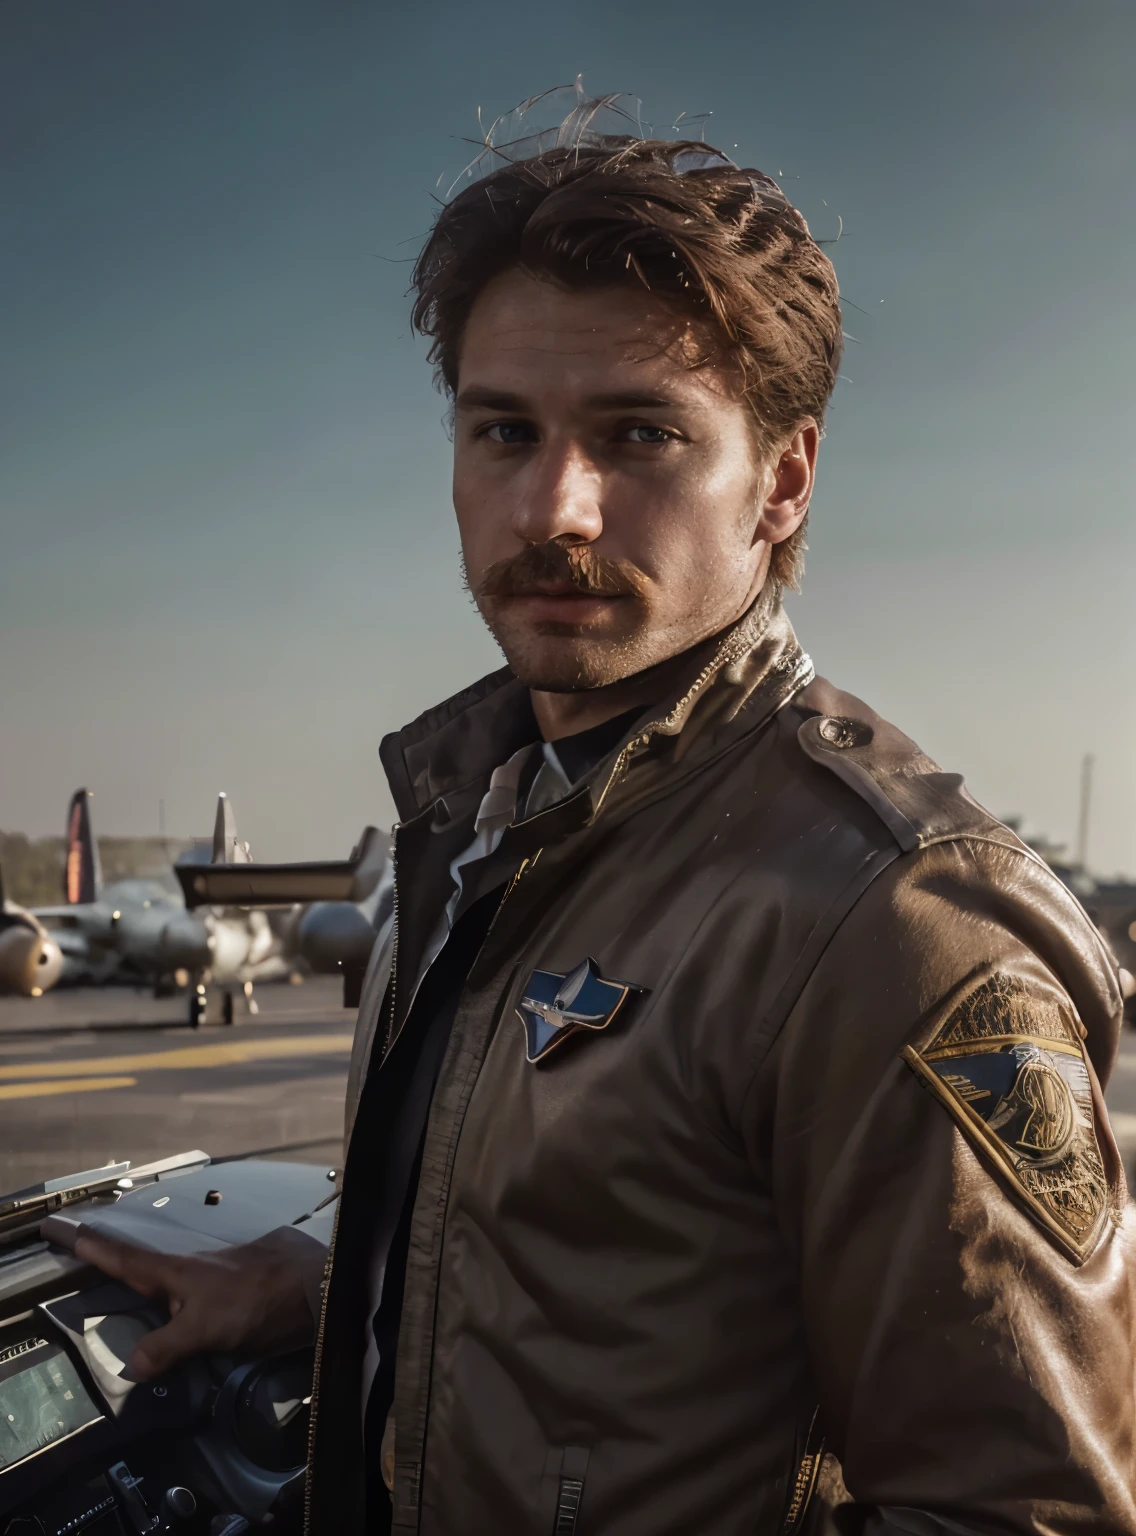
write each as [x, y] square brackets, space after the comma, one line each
[917, 802]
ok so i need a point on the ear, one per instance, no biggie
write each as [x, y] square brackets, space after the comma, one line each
[788, 496]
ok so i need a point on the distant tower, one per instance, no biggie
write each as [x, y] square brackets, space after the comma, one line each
[1087, 764]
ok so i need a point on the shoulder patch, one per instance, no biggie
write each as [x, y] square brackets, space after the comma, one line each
[1010, 1067]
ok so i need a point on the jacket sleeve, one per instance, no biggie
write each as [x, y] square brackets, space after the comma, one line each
[941, 1158]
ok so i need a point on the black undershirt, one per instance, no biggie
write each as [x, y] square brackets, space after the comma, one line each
[579, 754]
[423, 1039]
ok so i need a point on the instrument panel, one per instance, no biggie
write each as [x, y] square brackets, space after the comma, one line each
[213, 1448]
[216, 1446]
[42, 1400]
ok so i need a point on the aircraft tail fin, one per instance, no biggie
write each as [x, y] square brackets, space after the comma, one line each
[227, 846]
[83, 874]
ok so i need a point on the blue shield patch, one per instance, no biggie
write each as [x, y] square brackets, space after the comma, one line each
[554, 1007]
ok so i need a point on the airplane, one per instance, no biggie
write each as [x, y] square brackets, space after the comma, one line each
[30, 960]
[136, 929]
[133, 928]
[338, 906]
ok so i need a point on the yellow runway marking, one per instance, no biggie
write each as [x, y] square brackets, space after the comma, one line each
[63, 1085]
[219, 1055]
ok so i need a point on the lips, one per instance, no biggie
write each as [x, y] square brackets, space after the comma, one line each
[567, 591]
[568, 606]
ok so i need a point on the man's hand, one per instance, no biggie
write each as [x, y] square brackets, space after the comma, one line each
[252, 1298]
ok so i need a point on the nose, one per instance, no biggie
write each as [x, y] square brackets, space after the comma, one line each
[560, 498]
[30, 962]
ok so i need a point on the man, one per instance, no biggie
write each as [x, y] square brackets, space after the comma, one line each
[726, 1143]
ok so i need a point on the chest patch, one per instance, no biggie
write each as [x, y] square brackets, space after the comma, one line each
[552, 1007]
[1010, 1067]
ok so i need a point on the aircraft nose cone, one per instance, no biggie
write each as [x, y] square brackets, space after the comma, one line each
[185, 944]
[30, 962]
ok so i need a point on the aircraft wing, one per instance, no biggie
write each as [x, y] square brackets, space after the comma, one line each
[282, 885]
[71, 914]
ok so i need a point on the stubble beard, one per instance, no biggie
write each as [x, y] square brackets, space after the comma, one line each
[556, 659]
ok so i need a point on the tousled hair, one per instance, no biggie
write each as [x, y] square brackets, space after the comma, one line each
[714, 241]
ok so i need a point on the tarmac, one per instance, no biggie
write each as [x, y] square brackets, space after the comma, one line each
[95, 1075]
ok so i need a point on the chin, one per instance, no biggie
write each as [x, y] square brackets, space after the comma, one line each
[549, 665]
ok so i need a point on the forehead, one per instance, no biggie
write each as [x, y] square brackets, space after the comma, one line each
[532, 334]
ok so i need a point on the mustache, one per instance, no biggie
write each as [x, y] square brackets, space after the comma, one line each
[554, 564]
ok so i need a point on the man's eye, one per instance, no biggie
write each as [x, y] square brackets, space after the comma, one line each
[508, 432]
[642, 433]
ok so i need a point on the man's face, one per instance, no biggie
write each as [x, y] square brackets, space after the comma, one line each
[608, 495]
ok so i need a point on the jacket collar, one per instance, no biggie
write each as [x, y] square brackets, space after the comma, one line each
[733, 683]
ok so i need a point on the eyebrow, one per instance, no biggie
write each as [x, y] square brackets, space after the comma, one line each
[484, 397]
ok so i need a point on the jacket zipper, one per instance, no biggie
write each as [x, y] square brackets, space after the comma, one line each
[640, 742]
[320, 1327]
[322, 1324]
[805, 1479]
[393, 983]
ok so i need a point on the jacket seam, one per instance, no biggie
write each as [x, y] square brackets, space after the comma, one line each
[771, 1026]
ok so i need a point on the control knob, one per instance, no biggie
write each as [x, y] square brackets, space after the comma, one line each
[178, 1505]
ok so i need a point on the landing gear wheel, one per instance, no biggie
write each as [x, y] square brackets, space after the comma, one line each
[227, 1008]
[196, 1007]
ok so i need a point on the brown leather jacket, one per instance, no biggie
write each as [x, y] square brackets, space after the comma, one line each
[835, 1173]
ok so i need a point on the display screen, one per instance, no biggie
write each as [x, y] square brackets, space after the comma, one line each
[41, 1398]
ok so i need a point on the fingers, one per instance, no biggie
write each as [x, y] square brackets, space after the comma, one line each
[166, 1347]
[149, 1273]
[246, 1297]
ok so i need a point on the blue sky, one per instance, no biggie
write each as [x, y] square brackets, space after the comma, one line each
[227, 558]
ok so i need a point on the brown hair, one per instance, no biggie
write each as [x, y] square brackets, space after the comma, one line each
[716, 241]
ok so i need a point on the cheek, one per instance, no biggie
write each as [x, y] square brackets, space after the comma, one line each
[693, 524]
[482, 515]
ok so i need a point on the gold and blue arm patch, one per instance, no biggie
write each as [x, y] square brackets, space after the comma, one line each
[1009, 1066]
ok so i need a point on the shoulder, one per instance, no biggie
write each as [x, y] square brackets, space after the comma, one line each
[960, 962]
[914, 799]
[947, 884]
